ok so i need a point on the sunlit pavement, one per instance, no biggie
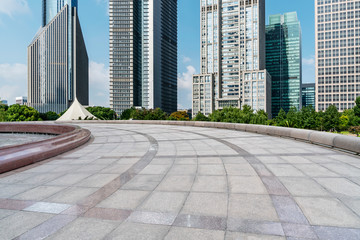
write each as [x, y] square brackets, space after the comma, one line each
[170, 182]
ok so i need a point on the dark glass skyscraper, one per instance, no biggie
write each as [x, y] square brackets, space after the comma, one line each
[143, 54]
[284, 61]
[308, 95]
[58, 60]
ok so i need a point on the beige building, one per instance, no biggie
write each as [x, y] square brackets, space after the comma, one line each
[232, 57]
[337, 33]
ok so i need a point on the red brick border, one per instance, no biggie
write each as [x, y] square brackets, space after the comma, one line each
[68, 137]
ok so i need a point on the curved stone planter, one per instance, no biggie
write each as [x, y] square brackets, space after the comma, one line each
[16, 156]
[345, 143]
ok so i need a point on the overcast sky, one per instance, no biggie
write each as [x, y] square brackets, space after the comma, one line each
[20, 20]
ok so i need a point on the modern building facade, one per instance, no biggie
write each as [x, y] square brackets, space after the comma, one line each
[143, 54]
[284, 61]
[337, 31]
[21, 100]
[308, 95]
[232, 57]
[58, 68]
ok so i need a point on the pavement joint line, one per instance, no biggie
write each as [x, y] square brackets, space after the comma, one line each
[251, 159]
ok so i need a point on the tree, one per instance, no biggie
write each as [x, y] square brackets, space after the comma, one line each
[22, 113]
[179, 116]
[281, 118]
[3, 109]
[102, 113]
[201, 117]
[307, 117]
[151, 114]
[49, 116]
[260, 117]
[344, 123]
[357, 112]
[127, 114]
[331, 119]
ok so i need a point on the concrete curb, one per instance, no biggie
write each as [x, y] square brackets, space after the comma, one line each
[345, 143]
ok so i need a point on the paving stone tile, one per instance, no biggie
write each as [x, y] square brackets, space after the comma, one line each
[210, 184]
[124, 199]
[288, 211]
[246, 236]
[303, 187]
[340, 186]
[206, 204]
[5, 212]
[213, 170]
[255, 227]
[85, 228]
[116, 168]
[187, 160]
[20, 222]
[333, 233]
[246, 184]
[106, 214]
[182, 169]
[252, 207]
[8, 191]
[343, 169]
[176, 183]
[46, 207]
[202, 222]
[39, 193]
[71, 195]
[47, 228]
[164, 202]
[327, 212]
[295, 159]
[240, 170]
[178, 233]
[68, 179]
[153, 218]
[283, 170]
[315, 170]
[233, 160]
[155, 169]
[138, 231]
[210, 160]
[299, 231]
[97, 180]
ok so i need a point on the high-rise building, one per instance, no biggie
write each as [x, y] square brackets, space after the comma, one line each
[308, 94]
[57, 59]
[143, 54]
[232, 57]
[337, 31]
[283, 61]
[21, 100]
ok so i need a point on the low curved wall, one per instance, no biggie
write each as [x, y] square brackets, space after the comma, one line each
[16, 156]
[346, 143]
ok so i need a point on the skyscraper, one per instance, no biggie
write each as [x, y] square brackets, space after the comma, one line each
[308, 95]
[232, 57]
[337, 31]
[283, 61]
[57, 59]
[143, 54]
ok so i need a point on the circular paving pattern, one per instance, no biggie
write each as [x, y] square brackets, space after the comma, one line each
[176, 182]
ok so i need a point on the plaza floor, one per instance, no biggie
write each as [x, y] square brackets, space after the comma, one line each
[171, 182]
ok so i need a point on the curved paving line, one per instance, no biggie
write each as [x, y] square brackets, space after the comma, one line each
[289, 213]
[107, 190]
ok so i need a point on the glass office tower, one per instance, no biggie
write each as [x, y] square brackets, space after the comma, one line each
[308, 95]
[284, 61]
[233, 53]
[337, 49]
[58, 60]
[143, 54]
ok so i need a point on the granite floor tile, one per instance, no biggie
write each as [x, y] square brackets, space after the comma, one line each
[303, 187]
[246, 184]
[176, 183]
[164, 202]
[124, 199]
[138, 231]
[39, 193]
[213, 170]
[210, 184]
[18, 223]
[247, 236]
[327, 212]
[340, 186]
[85, 228]
[252, 207]
[206, 204]
[178, 233]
